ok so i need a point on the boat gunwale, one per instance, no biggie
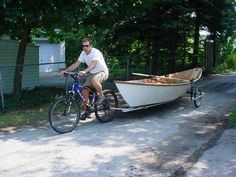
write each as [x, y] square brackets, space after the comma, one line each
[152, 84]
[178, 83]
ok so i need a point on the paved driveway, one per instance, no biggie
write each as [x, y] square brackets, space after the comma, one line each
[155, 142]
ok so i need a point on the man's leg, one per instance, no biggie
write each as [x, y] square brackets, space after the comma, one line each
[87, 113]
[87, 86]
[97, 85]
[96, 82]
[85, 93]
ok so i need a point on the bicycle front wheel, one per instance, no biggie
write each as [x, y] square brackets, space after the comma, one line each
[106, 112]
[64, 114]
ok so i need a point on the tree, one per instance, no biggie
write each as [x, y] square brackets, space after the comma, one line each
[173, 30]
[161, 25]
[222, 22]
[21, 16]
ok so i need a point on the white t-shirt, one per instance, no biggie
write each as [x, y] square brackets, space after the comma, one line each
[95, 54]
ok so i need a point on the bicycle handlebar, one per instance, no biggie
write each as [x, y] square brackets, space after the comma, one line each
[75, 76]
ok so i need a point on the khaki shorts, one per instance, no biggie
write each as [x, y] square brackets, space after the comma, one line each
[102, 76]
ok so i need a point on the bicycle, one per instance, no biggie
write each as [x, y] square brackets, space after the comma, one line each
[65, 111]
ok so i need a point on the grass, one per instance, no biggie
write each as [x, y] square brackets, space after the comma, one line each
[22, 117]
[232, 119]
[30, 107]
[29, 99]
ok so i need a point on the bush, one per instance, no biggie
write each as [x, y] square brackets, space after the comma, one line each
[116, 70]
[228, 65]
[232, 119]
[32, 98]
[30, 107]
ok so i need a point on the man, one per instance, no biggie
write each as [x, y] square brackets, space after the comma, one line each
[96, 69]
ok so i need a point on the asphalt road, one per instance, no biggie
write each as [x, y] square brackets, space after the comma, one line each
[174, 139]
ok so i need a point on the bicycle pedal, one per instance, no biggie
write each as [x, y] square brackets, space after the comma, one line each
[85, 115]
[89, 117]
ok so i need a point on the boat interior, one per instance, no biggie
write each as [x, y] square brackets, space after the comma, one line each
[191, 74]
[160, 80]
[183, 77]
[174, 78]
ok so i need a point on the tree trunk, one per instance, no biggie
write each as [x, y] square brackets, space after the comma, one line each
[173, 48]
[20, 61]
[183, 62]
[214, 49]
[196, 42]
[155, 57]
[173, 42]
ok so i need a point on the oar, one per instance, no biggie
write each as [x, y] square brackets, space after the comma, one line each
[144, 75]
[170, 78]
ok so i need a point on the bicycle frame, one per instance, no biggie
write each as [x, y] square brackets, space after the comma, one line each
[77, 87]
[66, 111]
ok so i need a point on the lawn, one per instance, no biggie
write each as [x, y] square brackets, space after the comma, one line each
[30, 107]
[232, 119]
[23, 116]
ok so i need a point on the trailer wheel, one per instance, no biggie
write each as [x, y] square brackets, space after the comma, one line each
[197, 97]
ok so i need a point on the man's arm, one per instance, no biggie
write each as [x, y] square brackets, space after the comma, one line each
[89, 68]
[71, 67]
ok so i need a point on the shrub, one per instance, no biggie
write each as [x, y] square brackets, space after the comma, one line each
[228, 65]
[232, 119]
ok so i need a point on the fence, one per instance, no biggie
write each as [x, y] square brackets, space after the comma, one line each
[34, 75]
[1, 91]
[47, 74]
[126, 65]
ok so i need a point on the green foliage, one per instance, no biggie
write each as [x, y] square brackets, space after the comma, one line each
[30, 107]
[122, 66]
[167, 27]
[116, 70]
[22, 117]
[232, 119]
[162, 30]
[228, 65]
[29, 99]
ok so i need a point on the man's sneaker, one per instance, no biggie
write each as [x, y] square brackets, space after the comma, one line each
[85, 115]
[100, 100]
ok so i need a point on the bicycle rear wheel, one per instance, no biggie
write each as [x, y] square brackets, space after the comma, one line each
[105, 112]
[64, 114]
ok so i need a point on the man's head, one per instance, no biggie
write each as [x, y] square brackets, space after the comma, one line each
[87, 45]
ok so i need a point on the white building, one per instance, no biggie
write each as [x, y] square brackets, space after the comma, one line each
[8, 56]
[51, 55]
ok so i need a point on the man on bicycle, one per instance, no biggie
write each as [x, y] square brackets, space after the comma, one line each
[96, 70]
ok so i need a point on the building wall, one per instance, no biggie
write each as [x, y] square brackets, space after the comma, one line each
[8, 55]
[50, 53]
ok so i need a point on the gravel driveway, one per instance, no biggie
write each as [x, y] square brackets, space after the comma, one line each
[160, 141]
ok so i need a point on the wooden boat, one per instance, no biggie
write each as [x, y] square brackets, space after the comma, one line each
[155, 90]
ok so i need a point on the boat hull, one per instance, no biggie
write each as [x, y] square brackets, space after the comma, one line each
[137, 95]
